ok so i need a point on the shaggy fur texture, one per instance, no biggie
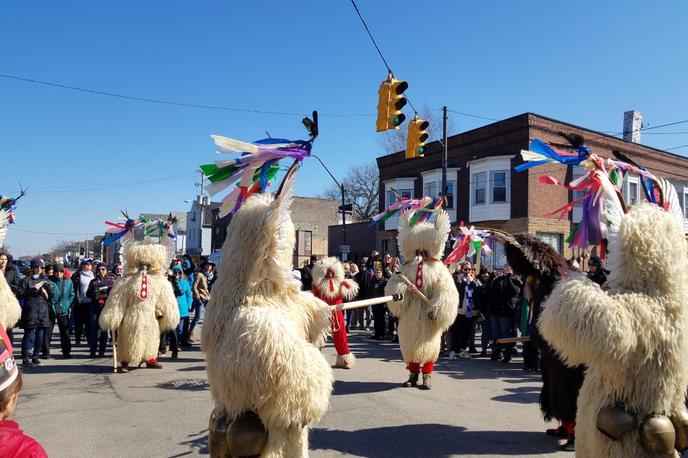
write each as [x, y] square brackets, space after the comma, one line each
[339, 287]
[633, 338]
[262, 333]
[420, 325]
[530, 256]
[10, 311]
[140, 321]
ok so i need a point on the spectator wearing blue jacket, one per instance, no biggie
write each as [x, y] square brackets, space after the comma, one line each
[61, 304]
[182, 290]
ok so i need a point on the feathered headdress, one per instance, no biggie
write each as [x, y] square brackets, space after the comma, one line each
[468, 242]
[256, 167]
[421, 210]
[124, 229]
[539, 153]
[7, 207]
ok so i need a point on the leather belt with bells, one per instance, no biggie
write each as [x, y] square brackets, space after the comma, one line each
[659, 434]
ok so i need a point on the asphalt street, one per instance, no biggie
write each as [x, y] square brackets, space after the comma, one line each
[78, 408]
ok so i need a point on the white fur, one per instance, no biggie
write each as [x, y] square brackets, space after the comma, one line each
[10, 311]
[140, 321]
[262, 334]
[346, 289]
[633, 338]
[419, 334]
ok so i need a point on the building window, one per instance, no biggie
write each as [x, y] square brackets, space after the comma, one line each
[551, 238]
[480, 188]
[431, 190]
[304, 243]
[392, 195]
[385, 246]
[498, 180]
[632, 193]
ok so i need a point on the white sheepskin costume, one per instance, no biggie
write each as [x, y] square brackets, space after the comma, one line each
[262, 334]
[10, 311]
[421, 325]
[141, 305]
[330, 285]
[634, 337]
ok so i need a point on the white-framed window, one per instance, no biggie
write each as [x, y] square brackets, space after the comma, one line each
[393, 196]
[685, 203]
[577, 213]
[490, 189]
[552, 238]
[632, 193]
[395, 189]
[498, 183]
[479, 188]
[432, 187]
[304, 246]
[630, 189]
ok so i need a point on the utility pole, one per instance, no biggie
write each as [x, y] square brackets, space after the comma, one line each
[444, 153]
[341, 187]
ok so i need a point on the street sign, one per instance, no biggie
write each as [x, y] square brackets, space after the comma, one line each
[347, 208]
[345, 249]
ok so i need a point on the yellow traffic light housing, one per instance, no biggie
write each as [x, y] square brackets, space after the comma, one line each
[390, 102]
[416, 137]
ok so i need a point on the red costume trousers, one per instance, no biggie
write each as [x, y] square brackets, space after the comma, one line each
[341, 343]
[426, 368]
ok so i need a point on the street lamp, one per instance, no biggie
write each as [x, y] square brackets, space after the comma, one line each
[341, 187]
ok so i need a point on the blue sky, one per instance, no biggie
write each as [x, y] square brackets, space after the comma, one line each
[583, 62]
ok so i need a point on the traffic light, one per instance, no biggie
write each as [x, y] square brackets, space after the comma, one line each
[390, 102]
[417, 135]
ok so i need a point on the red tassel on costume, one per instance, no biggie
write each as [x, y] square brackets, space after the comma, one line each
[331, 286]
[419, 275]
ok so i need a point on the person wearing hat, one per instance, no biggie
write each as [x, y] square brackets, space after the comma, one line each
[36, 291]
[80, 310]
[201, 294]
[61, 304]
[98, 291]
[13, 441]
[182, 291]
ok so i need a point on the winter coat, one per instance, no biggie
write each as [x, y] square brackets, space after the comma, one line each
[15, 444]
[63, 296]
[184, 296]
[377, 287]
[12, 279]
[36, 310]
[505, 292]
[99, 289]
[200, 287]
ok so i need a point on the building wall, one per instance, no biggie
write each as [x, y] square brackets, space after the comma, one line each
[529, 201]
[314, 216]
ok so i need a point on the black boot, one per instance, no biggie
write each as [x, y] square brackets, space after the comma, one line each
[570, 445]
[412, 380]
[426, 382]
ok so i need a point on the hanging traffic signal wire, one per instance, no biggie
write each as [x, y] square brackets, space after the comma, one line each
[389, 69]
[172, 102]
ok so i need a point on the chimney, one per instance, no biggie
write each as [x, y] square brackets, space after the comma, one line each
[633, 122]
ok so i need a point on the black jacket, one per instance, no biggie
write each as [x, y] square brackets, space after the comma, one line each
[12, 279]
[36, 309]
[504, 293]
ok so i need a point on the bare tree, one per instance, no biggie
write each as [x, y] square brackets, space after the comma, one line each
[361, 189]
[393, 141]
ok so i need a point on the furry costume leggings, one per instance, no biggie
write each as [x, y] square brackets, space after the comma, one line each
[341, 343]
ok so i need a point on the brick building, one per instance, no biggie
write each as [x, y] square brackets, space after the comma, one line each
[311, 217]
[485, 191]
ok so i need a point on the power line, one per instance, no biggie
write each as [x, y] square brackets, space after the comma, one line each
[172, 102]
[389, 69]
[676, 147]
[107, 186]
[56, 233]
